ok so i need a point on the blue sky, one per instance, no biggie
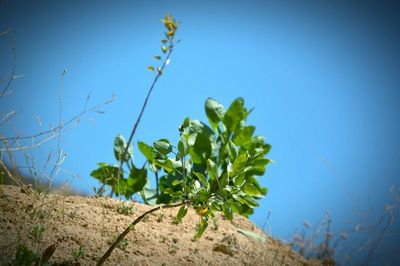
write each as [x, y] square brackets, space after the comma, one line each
[323, 77]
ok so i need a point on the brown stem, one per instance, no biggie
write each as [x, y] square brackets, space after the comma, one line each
[131, 226]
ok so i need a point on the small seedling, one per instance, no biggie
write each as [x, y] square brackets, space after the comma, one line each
[37, 232]
[161, 217]
[122, 245]
[215, 223]
[173, 248]
[99, 192]
[123, 209]
[163, 239]
[78, 254]
[73, 214]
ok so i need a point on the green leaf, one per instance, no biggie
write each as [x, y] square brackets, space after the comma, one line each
[213, 170]
[235, 114]
[233, 153]
[119, 149]
[244, 136]
[238, 181]
[121, 188]
[163, 146]
[107, 174]
[177, 182]
[200, 148]
[164, 41]
[199, 127]
[137, 178]
[181, 213]
[227, 210]
[24, 256]
[164, 49]
[250, 201]
[192, 139]
[252, 180]
[257, 166]
[183, 147]
[157, 57]
[202, 179]
[166, 164]
[236, 206]
[150, 195]
[250, 189]
[146, 150]
[201, 227]
[151, 68]
[239, 164]
[215, 112]
[252, 235]
[185, 125]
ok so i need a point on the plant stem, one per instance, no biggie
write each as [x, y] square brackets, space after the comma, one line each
[159, 73]
[131, 226]
[157, 187]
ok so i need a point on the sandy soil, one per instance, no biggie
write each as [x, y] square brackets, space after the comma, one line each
[90, 224]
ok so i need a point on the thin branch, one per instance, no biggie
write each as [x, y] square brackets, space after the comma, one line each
[60, 127]
[7, 117]
[60, 158]
[12, 44]
[131, 226]
[378, 242]
[159, 73]
[33, 145]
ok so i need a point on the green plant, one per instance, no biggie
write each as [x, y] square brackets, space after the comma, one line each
[37, 231]
[24, 256]
[123, 209]
[136, 179]
[78, 254]
[211, 168]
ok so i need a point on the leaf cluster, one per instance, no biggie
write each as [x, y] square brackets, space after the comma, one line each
[212, 168]
[167, 43]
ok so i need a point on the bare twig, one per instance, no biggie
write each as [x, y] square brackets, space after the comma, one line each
[94, 109]
[378, 242]
[14, 67]
[131, 226]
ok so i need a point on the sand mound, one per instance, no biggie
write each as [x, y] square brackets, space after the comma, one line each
[81, 229]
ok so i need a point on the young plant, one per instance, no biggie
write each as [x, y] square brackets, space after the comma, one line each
[123, 209]
[78, 254]
[135, 180]
[211, 168]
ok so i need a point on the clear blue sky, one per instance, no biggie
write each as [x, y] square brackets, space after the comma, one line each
[323, 77]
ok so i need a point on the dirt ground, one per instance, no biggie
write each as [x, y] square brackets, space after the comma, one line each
[82, 229]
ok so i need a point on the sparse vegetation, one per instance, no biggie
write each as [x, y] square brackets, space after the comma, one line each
[78, 254]
[124, 209]
[37, 232]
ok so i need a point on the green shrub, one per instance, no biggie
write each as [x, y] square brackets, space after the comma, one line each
[212, 168]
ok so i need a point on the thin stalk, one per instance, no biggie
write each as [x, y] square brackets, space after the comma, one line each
[135, 126]
[131, 226]
[157, 186]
